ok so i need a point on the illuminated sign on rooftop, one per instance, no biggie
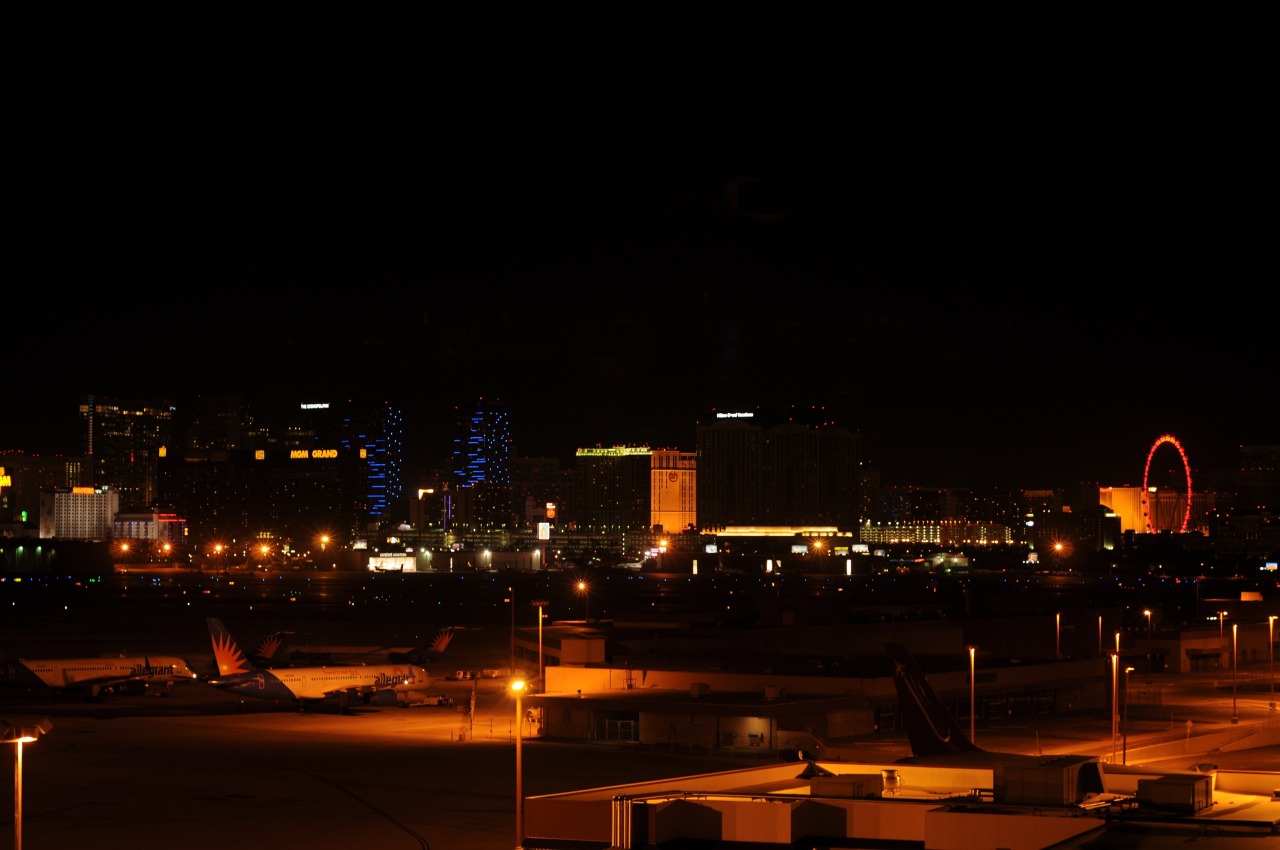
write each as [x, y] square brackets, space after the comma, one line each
[304, 454]
[615, 451]
[315, 406]
[742, 415]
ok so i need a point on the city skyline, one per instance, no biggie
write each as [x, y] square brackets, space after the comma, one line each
[1000, 256]
[1161, 458]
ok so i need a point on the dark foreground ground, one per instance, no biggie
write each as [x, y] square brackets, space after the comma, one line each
[196, 769]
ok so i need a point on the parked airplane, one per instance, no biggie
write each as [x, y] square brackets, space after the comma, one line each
[132, 675]
[275, 651]
[383, 684]
[937, 740]
[432, 651]
[936, 737]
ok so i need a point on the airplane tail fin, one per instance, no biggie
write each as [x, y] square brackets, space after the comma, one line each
[436, 648]
[432, 651]
[231, 661]
[269, 649]
[931, 728]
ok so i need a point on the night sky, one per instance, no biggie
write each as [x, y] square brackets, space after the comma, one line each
[1006, 253]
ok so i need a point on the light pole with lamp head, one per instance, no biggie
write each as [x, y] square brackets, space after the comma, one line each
[1124, 759]
[511, 598]
[972, 649]
[542, 667]
[19, 735]
[1235, 718]
[1115, 702]
[1147, 614]
[1271, 657]
[517, 687]
[586, 600]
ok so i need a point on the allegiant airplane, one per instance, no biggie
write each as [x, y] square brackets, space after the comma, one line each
[131, 675]
[382, 684]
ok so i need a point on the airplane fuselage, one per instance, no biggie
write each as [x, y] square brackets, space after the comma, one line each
[90, 673]
[318, 683]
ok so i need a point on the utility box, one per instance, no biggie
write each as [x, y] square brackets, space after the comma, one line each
[1183, 794]
[847, 785]
[1053, 782]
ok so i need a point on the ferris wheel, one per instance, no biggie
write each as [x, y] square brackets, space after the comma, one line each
[1146, 473]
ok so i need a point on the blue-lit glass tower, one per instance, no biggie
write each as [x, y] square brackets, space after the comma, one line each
[482, 445]
[376, 433]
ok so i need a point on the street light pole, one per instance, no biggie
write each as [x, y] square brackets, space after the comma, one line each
[19, 735]
[972, 684]
[518, 686]
[1271, 657]
[1115, 700]
[511, 591]
[1057, 636]
[542, 666]
[1235, 718]
[1125, 752]
[1150, 663]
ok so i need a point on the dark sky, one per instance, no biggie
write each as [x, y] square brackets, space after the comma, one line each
[1004, 252]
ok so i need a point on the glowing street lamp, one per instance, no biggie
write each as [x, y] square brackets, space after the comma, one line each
[542, 666]
[1235, 718]
[585, 590]
[19, 735]
[517, 687]
[1271, 656]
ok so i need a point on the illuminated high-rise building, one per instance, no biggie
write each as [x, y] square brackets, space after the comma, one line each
[729, 450]
[481, 464]
[78, 513]
[673, 496]
[24, 476]
[613, 489]
[289, 470]
[789, 467]
[375, 433]
[482, 444]
[124, 440]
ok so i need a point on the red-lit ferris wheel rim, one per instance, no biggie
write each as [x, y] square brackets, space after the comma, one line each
[1146, 472]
